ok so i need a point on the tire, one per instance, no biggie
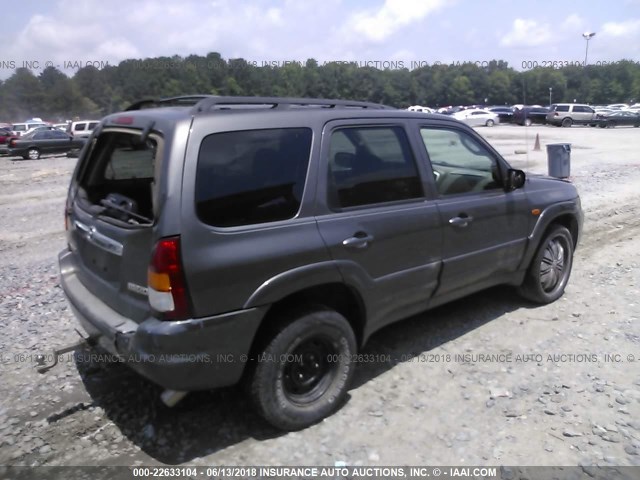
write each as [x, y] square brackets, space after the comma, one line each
[611, 124]
[292, 394]
[490, 123]
[32, 154]
[567, 122]
[550, 269]
[527, 122]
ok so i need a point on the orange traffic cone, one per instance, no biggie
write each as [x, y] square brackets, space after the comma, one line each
[536, 147]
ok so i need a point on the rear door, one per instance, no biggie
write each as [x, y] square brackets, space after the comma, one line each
[375, 220]
[484, 228]
[111, 217]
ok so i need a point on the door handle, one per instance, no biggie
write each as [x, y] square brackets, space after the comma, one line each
[460, 221]
[359, 240]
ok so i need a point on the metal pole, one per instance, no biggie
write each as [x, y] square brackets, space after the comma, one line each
[586, 52]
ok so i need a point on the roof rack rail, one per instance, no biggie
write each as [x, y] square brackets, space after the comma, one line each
[203, 103]
[185, 100]
[282, 102]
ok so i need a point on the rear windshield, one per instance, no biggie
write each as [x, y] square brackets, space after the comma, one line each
[120, 164]
[251, 176]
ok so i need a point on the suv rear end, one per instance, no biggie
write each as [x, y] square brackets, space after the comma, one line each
[122, 271]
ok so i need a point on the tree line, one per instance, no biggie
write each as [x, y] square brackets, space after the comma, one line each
[93, 92]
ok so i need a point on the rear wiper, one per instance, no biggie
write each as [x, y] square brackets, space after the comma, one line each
[112, 206]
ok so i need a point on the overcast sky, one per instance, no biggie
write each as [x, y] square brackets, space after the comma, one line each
[400, 31]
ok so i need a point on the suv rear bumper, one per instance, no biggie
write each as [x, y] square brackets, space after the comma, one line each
[194, 354]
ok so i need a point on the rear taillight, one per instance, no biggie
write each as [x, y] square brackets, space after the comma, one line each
[556, 114]
[167, 289]
[12, 143]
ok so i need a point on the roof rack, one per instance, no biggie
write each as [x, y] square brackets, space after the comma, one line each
[186, 100]
[203, 103]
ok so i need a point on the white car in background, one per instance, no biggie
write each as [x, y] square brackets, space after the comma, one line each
[420, 108]
[475, 117]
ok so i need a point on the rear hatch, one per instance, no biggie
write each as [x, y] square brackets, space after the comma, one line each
[111, 211]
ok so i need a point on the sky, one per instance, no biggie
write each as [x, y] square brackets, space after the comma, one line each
[402, 33]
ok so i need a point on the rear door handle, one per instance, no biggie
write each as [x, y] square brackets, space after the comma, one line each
[460, 221]
[359, 240]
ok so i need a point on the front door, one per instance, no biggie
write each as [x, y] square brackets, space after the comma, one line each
[484, 227]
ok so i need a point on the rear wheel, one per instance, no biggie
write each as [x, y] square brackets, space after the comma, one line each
[567, 122]
[303, 373]
[32, 154]
[549, 272]
[611, 124]
[490, 123]
[528, 122]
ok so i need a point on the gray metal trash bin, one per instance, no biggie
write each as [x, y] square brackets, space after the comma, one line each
[559, 159]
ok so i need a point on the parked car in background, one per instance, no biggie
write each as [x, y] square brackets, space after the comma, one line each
[40, 128]
[5, 135]
[604, 110]
[528, 115]
[420, 108]
[621, 117]
[618, 106]
[505, 114]
[61, 126]
[32, 145]
[567, 114]
[476, 117]
[452, 110]
[19, 129]
[82, 128]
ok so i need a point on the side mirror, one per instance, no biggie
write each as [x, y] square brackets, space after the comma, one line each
[515, 179]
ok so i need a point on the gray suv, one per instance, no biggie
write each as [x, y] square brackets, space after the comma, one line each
[223, 240]
[567, 114]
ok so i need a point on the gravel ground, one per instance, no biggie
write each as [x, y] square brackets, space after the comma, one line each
[495, 381]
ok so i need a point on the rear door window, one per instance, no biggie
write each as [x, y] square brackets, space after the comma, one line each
[251, 176]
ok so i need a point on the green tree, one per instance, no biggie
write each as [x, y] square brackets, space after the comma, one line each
[23, 95]
[460, 92]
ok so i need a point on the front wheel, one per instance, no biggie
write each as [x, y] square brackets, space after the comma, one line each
[527, 122]
[549, 272]
[490, 123]
[303, 373]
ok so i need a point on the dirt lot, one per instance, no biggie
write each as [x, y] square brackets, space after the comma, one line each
[565, 389]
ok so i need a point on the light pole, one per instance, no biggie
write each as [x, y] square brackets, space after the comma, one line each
[550, 90]
[587, 36]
